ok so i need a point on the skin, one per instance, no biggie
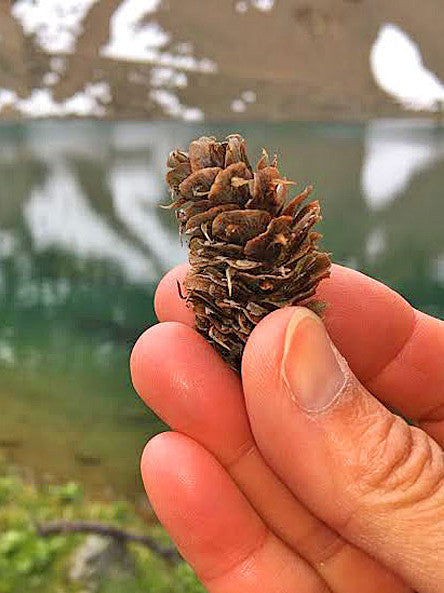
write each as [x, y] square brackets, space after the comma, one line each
[260, 494]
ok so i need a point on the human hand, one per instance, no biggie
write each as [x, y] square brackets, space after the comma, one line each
[261, 495]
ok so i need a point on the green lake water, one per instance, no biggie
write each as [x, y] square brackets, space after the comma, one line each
[83, 244]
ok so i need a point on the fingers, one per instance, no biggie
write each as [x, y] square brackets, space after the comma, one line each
[186, 383]
[213, 525]
[168, 303]
[394, 350]
[363, 470]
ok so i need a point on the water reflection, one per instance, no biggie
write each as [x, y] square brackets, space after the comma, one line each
[83, 242]
[396, 151]
[97, 197]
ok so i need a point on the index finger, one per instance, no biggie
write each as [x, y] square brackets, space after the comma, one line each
[395, 350]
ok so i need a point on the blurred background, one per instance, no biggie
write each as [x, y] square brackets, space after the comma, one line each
[93, 96]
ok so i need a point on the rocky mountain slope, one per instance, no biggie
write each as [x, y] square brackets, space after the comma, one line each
[195, 59]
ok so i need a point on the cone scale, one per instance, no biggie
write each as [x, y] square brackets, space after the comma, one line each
[251, 249]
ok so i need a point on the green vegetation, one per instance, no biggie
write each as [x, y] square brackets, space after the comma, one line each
[31, 563]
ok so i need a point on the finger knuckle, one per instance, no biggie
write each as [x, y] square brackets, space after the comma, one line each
[398, 464]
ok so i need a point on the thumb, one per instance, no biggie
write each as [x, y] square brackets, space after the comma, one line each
[367, 473]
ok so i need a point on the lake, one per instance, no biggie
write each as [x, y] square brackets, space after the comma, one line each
[83, 244]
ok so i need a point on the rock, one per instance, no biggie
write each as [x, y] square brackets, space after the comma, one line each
[100, 558]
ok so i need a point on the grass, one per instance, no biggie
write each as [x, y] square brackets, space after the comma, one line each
[34, 564]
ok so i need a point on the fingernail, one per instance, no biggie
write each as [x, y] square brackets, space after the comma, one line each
[312, 369]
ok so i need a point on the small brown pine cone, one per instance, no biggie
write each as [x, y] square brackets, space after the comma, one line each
[250, 249]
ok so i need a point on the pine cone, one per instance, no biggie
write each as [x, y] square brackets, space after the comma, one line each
[251, 251]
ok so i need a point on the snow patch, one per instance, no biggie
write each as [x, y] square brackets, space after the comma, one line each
[50, 78]
[204, 65]
[41, 103]
[161, 77]
[249, 97]
[241, 7]
[56, 24]
[7, 98]
[171, 105]
[238, 106]
[131, 39]
[263, 5]
[398, 68]
[100, 91]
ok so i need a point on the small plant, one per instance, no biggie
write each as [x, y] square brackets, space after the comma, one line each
[36, 564]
